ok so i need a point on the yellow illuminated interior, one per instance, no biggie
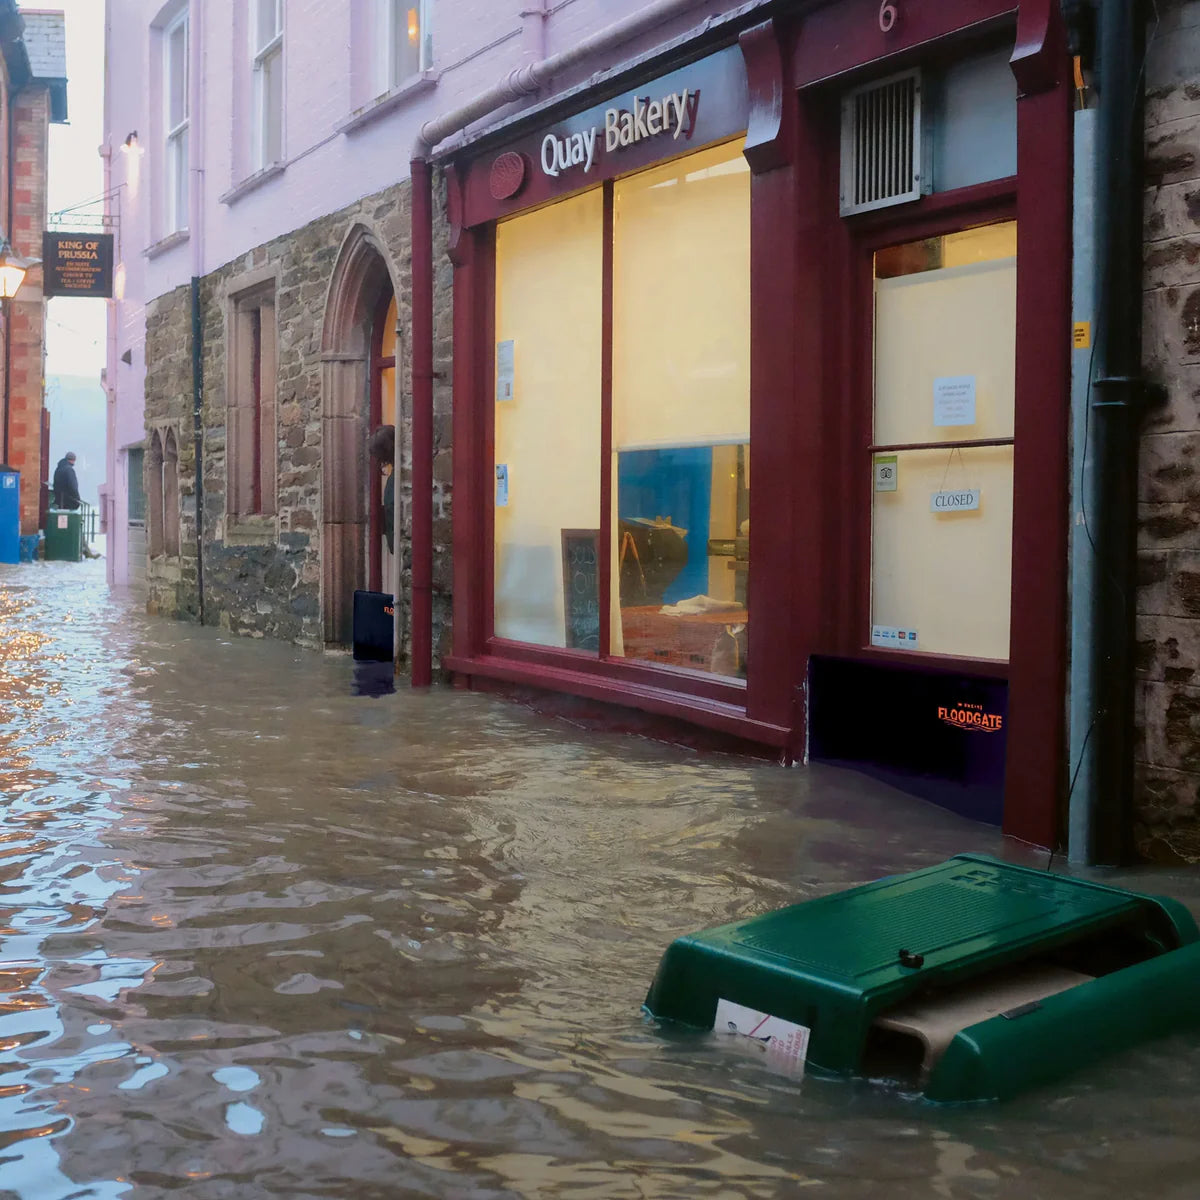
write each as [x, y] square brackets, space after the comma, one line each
[681, 413]
[945, 307]
[549, 304]
[387, 375]
[681, 302]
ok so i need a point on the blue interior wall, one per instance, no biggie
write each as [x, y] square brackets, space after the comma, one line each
[674, 483]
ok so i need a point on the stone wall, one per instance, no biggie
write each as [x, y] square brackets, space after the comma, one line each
[1168, 623]
[263, 576]
[171, 588]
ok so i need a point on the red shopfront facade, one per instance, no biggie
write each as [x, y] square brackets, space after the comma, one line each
[733, 446]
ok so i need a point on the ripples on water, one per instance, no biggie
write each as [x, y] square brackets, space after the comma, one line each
[264, 932]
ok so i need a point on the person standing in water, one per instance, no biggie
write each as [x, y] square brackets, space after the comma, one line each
[66, 491]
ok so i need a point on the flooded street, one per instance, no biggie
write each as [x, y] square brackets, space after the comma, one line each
[261, 936]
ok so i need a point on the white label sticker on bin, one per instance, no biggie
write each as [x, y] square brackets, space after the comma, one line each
[62, 522]
[10, 481]
[783, 1044]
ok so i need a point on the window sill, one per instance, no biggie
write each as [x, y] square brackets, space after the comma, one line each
[252, 182]
[168, 243]
[657, 697]
[373, 110]
[251, 531]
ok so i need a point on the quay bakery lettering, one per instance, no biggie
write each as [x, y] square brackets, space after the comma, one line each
[673, 115]
[700, 104]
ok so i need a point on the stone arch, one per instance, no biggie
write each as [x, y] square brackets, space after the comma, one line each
[170, 495]
[154, 495]
[360, 277]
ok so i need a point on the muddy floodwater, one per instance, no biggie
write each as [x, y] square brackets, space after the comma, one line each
[263, 936]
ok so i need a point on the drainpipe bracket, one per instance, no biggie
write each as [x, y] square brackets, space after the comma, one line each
[1124, 391]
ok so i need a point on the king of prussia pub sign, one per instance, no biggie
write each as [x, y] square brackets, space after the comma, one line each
[77, 264]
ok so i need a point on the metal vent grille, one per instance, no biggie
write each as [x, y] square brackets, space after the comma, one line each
[881, 143]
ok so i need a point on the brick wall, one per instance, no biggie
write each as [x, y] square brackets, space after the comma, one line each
[1168, 623]
[31, 116]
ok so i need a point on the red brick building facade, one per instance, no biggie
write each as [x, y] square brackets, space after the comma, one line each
[32, 96]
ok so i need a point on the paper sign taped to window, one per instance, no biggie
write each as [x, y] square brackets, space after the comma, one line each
[783, 1044]
[954, 400]
[506, 369]
[502, 485]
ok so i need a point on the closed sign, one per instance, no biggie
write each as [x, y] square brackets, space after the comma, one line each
[952, 502]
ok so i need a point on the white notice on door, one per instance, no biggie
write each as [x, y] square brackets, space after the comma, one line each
[954, 400]
[62, 522]
[502, 485]
[783, 1044]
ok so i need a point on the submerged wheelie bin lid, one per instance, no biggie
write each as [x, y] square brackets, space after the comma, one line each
[837, 964]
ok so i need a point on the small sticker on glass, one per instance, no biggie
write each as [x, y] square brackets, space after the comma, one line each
[502, 485]
[892, 637]
[886, 472]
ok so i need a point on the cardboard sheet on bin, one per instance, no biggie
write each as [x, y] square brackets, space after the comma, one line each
[936, 1020]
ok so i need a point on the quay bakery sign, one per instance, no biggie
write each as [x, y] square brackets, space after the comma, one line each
[704, 102]
[674, 115]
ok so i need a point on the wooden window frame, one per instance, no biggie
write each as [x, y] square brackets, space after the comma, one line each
[252, 436]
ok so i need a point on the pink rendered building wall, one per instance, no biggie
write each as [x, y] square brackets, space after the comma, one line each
[338, 144]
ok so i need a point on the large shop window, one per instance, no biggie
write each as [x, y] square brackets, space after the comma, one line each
[549, 285]
[678, 525]
[681, 412]
[945, 349]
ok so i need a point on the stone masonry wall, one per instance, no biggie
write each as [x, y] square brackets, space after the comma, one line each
[1168, 622]
[267, 582]
[171, 582]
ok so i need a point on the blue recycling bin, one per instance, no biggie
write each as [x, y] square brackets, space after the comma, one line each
[10, 515]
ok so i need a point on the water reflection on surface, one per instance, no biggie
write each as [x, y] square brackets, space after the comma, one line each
[263, 936]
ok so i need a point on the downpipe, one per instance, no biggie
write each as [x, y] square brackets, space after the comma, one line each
[422, 422]
[198, 434]
[1103, 828]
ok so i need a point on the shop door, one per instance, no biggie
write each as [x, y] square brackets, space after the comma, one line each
[921, 699]
[942, 444]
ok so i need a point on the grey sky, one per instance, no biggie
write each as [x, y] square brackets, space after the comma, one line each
[74, 327]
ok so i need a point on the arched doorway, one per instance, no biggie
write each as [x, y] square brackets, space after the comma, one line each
[356, 377]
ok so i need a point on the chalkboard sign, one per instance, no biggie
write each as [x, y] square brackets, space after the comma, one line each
[581, 587]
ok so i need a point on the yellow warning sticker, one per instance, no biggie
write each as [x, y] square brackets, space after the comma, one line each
[1081, 335]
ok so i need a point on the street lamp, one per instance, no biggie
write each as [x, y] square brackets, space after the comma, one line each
[12, 275]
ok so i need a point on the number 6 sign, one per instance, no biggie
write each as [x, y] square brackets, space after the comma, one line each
[887, 16]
